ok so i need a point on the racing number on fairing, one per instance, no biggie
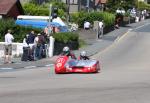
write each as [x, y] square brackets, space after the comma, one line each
[60, 61]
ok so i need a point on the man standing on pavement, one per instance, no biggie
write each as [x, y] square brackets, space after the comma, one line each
[8, 47]
[100, 29]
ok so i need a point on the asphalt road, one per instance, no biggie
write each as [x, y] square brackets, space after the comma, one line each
[124, 77]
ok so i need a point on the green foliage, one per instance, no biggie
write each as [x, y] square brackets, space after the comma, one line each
[33, 8]
[82, 43]
[60, 5]
[4, 26]
[80, 17]
[66, 37]
[18, 31]
[143, 5]
[112, 5]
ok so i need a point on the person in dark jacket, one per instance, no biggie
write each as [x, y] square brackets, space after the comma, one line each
[30, 41]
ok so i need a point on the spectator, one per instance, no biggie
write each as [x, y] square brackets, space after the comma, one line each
[48, 30]
[44, 44]
[100, 29]
[87, 25]
[30, 41]
[8, 47]
[133, 12]
[26, 48]
[57, 29]
[117, 21]
[39, 40]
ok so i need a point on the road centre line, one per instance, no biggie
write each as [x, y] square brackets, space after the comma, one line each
[121, 37]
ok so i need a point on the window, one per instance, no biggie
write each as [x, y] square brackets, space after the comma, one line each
[73, 1]
[1, 16]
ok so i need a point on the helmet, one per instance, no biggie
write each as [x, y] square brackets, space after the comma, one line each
[66, 49]
[83, 53]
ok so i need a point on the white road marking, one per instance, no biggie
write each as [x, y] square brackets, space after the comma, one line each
[6, 68]
[142, 26]
[49, 65]
[30, 67]
[17, 63]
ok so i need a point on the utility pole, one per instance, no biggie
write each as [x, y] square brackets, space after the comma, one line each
[50, 18]
[68, 10]
[79, 5]
[88, 5]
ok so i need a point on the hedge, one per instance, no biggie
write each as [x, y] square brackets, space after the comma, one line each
[18, 31]
[80, 17]
[69, 39]
[66, 37]
[142, 6]
[43, 10]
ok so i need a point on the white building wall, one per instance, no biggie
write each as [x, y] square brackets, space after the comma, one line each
[147, 1]
[17, 49]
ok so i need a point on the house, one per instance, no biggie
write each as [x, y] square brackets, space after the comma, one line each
[146, 1]
[77, 5]
[10, 8]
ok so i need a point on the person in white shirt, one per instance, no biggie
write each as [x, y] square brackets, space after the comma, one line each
[87, 25]
[100, 29]
[8, 47]
[26, 49]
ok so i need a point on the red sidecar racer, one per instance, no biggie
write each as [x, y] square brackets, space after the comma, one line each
[64, 65]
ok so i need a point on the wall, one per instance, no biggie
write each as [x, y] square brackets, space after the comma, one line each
[16, 50]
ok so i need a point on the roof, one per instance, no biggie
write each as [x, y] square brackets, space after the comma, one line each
[6, 5]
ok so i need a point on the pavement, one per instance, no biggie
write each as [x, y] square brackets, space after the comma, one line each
[93, 46]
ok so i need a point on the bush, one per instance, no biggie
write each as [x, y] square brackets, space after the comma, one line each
[18, 31]
[80, 17]
[33, 9]
[66, 37]
[43, 10]
[4, 26]
[69, 39]
[142, 5]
